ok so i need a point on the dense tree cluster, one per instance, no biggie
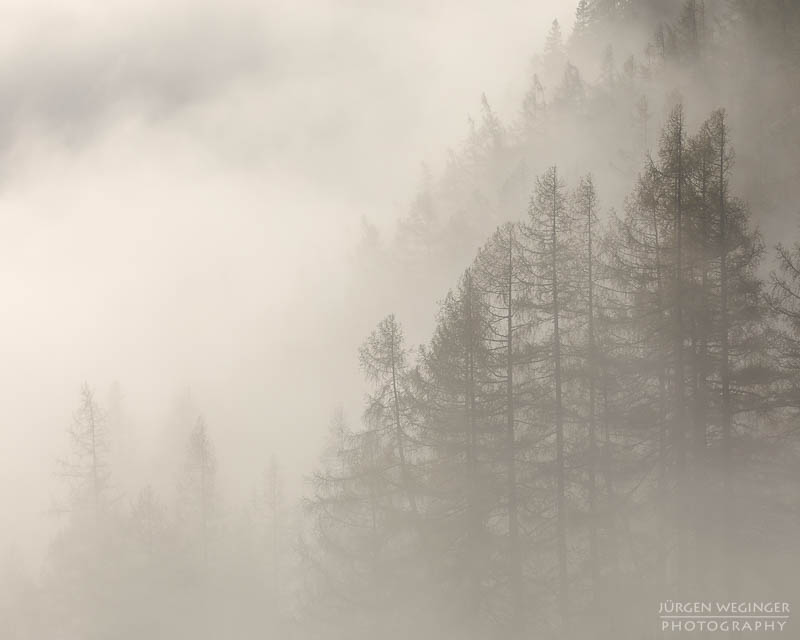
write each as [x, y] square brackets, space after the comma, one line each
[596, 419]
[603, 88]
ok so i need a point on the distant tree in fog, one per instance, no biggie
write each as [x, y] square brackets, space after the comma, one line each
[583, 22]
[86, 469]
[149, 520]
[554, 54]
[198, 486]
[383, 359]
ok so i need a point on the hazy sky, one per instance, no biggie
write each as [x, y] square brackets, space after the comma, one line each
[180, 185]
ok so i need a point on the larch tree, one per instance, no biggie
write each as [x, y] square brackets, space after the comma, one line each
[583, 22]
[198, 486]
[785, 300]
[674, 169]
[640, 348]
[383, 359]
[343, 554]
[149, 520]
[451, 405]
[360, 553]
[685, 262]
[547, 240]
[87, 469]
[741, 372]
[586, 232]
[554, 54]
[502, 276]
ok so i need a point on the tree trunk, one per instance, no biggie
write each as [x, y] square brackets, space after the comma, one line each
[513, 517]
[592, 465]
[679, 423]
[401, 454]
[727, 409]
[561, 507]
[473, 515]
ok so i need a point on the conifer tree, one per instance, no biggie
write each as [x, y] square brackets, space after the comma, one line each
[383, 360]
[87, 469]
[548, 252]
[583, 22]
[571, 93]
[741, 371]
[554, 54]
[501, 272]
[198, 486]
[451, 398]
[586, 232]
[348, 509]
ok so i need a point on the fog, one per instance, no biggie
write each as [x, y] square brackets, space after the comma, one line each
[182, 185]
[205, 210]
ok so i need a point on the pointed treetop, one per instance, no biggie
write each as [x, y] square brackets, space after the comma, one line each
[554, 44]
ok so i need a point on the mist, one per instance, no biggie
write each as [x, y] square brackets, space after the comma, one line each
[215, 216]
[182, 187]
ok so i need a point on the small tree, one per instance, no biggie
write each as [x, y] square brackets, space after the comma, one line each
[383, 361]
[198, 485]
[554, 55]
[87, 468]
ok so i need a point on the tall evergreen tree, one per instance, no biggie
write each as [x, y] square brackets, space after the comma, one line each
[501, 272]
[451, 402]
[548, 252]
[554, 53]
[383, 360]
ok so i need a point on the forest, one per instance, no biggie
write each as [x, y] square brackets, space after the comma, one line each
[602, 414]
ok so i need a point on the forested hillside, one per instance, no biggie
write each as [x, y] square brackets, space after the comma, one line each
[601, 415]
[605, 414]
[597, 97]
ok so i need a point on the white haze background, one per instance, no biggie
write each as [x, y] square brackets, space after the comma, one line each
[181, 189]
